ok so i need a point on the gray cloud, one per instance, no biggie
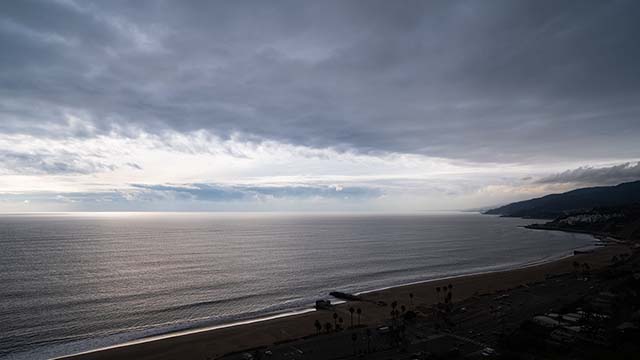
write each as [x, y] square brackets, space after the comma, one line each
[58, 163]
[483, 81]
[596, 176]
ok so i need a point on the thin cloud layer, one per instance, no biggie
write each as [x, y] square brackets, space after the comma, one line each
[219, 192]
[198, 197]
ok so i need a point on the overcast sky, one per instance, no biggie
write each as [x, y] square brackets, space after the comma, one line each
[314, 105]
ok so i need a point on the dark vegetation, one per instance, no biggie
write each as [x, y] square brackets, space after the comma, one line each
[584, 314]
[619, 222]
[608, 211]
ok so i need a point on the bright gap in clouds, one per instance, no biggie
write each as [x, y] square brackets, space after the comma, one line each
[199, 171]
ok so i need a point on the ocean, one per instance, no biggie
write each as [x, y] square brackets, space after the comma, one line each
[74, 282]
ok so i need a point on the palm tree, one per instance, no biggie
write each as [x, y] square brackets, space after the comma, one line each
[438, 293]
[401, 335]
[354, 337]
[327, 327]
[352, 310]
[411, 298]
[335, 319]
[394, 304]
[318, 326]
[340, 321]
[359, 312]
[576, 267]
[403, 309]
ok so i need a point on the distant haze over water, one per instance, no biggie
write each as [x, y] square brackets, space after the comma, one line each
[74, 282]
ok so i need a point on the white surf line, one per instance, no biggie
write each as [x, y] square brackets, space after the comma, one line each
[546, 260]
[543, 261]
[188, 332]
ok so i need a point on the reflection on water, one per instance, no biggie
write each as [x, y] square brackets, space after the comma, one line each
[77, 281]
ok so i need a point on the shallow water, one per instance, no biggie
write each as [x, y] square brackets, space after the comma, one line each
[74, 282]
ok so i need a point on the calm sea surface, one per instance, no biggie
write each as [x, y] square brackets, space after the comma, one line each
[74, 282]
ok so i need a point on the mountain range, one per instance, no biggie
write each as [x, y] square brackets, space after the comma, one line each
[571, 202]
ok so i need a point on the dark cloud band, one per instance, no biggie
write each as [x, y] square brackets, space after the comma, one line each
[483, 81]
[611, 175]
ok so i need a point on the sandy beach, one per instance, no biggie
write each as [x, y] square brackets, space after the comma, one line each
[215, 343]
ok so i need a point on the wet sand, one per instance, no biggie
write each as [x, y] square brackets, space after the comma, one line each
[212, 344]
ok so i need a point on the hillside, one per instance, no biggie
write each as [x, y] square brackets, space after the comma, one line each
[580, 200]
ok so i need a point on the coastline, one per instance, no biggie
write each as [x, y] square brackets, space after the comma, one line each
[304, 310]
[604, 237]
[215, 341]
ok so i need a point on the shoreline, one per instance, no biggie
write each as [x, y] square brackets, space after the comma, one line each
[196, 330]
[543, 261]
[304, 310]
[151, 347]
[603, 237]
